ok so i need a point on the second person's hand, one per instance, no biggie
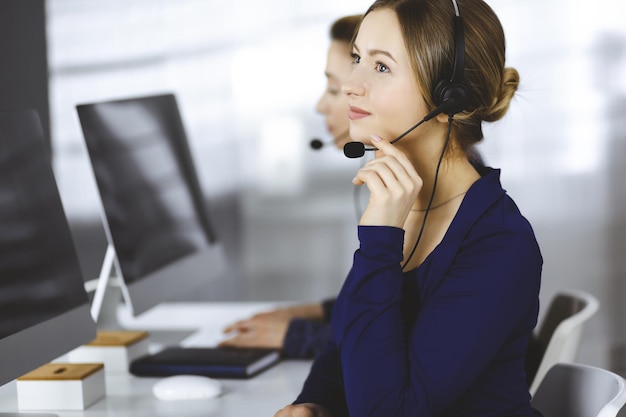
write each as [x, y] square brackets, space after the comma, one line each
[265, 331]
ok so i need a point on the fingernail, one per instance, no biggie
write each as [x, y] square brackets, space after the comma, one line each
[354, 180]
[376, 138]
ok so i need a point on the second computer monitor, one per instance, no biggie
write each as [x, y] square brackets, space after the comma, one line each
[154, 212]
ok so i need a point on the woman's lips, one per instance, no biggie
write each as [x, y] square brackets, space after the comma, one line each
[357, 113]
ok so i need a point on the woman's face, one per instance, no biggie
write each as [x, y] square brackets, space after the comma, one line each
[334, 103]
[382, 92]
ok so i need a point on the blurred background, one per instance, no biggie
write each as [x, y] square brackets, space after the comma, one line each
[247, 75]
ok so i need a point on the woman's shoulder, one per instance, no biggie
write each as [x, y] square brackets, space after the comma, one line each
[497, 209]
[493, 216]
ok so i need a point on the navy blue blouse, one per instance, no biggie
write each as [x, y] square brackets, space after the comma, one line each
[446, 339]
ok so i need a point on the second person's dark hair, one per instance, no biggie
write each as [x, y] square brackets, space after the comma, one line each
[344, 29]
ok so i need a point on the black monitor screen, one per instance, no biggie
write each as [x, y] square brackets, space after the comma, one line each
[154, 209]
[40, 276]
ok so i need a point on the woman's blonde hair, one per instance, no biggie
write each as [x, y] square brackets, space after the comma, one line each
[428, 34]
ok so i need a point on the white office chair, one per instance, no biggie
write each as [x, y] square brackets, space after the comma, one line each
[561, 330]
[575, 390]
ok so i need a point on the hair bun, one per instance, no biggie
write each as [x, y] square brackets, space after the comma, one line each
[501, 103]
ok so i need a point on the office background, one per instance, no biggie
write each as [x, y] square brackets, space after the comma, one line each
[248, 74]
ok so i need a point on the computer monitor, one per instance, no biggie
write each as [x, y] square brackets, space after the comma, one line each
[44, 309]
[154, 212]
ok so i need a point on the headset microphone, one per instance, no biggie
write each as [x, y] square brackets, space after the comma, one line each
[357, 149]
[317, 144]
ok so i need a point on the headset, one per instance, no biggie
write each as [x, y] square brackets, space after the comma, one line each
[450, 96]
[453, 94]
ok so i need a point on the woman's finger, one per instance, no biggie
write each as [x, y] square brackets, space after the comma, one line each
[389, 149]
[391, 165]
[240, 326]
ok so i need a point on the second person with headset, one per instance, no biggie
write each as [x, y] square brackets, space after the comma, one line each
[302, 330]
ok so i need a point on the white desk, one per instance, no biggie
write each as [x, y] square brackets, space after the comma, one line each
[130, 396]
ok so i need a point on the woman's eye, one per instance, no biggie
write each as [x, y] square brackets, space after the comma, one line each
[355, 58]
[380, 67]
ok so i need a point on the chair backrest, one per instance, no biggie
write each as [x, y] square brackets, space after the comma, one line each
[561, 329]
[575, 390]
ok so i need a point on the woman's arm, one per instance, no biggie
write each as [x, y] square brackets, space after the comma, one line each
[324, 385]
[491, 286]
[298, 330]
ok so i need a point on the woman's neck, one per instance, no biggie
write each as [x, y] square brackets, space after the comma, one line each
[456, 174]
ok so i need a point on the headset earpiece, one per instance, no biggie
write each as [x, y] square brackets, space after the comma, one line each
[453, 94]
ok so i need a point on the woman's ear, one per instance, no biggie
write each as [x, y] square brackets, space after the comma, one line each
[442, 118]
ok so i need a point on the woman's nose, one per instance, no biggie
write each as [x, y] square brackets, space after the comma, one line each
[321, 106]
[353, 85]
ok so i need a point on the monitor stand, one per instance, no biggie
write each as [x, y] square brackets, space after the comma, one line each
[108, 284]
[102, 282]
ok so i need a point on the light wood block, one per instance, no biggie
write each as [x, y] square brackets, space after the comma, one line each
[116, 349]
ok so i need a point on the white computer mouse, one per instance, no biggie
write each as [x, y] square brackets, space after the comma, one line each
[186, 387]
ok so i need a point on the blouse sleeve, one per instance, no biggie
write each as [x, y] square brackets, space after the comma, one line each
[324, 385]
[327, 308]
[305, 338]
[421, 371]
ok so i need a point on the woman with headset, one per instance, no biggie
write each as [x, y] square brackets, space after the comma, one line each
[333, 104]
[435, 316]
[301, 331]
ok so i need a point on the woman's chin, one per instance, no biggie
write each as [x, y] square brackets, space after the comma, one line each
[341, 142]
[359, 137]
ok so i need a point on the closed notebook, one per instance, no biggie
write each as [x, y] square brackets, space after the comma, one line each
[212, 362]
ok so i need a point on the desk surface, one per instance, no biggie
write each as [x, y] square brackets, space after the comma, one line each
[130, 396]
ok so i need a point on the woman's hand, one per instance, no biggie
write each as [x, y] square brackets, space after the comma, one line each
[393, 183]
[303, 410]
[268, 329]
[265, 330]
[312, 311]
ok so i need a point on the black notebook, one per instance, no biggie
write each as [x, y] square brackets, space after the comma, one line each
[212, 362]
